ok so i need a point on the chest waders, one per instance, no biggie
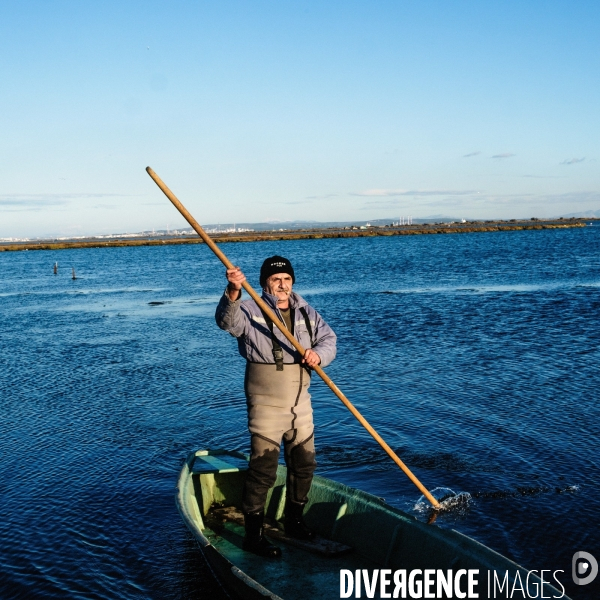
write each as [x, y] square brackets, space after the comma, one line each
[279, 409]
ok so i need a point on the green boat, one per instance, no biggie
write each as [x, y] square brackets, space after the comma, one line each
[355, 531]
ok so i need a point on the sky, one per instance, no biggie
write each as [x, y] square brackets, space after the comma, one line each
[254, 111]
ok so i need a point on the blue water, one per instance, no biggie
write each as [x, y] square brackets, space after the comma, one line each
[475, 356]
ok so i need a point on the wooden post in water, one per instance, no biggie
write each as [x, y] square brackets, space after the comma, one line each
[74, 278]
[261, 304]
[56, 268]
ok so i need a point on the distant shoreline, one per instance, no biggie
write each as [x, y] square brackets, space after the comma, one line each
[301, 234]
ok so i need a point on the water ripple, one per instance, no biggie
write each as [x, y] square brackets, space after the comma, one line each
[477, 358]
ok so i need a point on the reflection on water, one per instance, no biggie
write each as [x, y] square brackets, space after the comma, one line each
[474, 356]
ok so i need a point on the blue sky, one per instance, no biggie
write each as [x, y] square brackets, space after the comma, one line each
[255, 111]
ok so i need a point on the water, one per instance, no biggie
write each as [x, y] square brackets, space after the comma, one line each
[475, 356]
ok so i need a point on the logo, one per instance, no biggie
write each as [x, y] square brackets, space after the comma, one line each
[446, 583]
[585, 568]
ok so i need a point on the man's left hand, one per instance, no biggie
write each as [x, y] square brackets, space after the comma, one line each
[311, 358]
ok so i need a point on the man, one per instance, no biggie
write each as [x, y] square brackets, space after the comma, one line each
[276, 385]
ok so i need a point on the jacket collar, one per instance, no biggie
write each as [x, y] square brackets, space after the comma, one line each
[296, 301]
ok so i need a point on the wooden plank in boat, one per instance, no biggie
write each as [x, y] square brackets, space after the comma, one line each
[213, 464]
[317, 546]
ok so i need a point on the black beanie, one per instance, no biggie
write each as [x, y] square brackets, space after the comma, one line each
[275, 264]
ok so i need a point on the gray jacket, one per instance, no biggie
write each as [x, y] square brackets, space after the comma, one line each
[245, 321]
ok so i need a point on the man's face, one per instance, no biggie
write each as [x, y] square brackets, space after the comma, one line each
[280, 285]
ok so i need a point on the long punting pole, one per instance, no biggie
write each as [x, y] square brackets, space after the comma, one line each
[334, 388]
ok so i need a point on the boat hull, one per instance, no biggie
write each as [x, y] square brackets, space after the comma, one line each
[382, 537]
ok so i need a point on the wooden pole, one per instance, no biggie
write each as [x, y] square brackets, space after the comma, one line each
[334, 388]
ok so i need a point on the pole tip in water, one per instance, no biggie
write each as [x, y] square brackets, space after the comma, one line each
[447, 500]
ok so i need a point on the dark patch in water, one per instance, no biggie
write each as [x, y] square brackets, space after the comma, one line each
[447, 461]
[527, 491]
[342, 456]
[158, 303]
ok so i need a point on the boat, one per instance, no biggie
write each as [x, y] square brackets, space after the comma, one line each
[355, 531]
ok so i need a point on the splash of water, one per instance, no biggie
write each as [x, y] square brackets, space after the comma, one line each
[448, 499]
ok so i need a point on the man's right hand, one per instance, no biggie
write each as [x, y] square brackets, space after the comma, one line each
[235, 277]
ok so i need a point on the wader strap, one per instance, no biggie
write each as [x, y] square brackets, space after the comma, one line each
[277, 349]
[308, 327]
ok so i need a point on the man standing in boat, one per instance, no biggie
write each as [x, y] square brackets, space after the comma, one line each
[276, 385]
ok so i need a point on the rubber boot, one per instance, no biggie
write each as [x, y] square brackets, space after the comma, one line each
[255, 541]
[294, 523]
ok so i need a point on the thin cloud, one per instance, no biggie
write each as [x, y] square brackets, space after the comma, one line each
[573, 197]
[540, 199]
[572, 161]
[322, 197]
[398, 203]
[387, 193]
[545, 176]
[17, 202]
[472, 154]
[477, 200]
[285, 203]
[31, 202]
[504, 155]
